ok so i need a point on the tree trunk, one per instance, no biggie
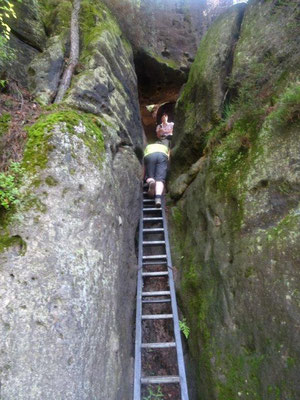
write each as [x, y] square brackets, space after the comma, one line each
[74, 53]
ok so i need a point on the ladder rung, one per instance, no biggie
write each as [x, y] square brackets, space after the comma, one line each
[161, 273]
[157, 316]
[156, 301]
[156, 257]
[154, 243]
[153, 230]
[153, 219]
[161, 293]
[151, 209]
[160, 379]
[162, 345]
[148, 263]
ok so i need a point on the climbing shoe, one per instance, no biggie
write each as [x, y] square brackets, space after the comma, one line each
[157, 202]
[151, 189]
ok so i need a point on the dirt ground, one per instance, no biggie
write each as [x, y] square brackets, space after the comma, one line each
[18, 106]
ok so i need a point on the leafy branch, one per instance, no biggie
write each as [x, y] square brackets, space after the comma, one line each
[9, 185]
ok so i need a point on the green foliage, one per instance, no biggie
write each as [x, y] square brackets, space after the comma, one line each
[4, 123]
[287, 109]
[228, 111]
[184, 328]
[154, 395]
[9, 186]
[6, 12]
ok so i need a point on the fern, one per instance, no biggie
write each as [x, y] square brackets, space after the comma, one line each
[184, 328]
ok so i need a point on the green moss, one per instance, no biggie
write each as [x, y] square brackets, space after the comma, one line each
[177, 216]
[32, 202]
[7, 241]
[83, 125]
[56, 15]
[127, 46]
[170, 63]
[5, 119]
[287, 109]
[291, 362]
[240, 372]
[50, 181]
[94, 20]
[37, 146]
[286, 230]
[198, 294]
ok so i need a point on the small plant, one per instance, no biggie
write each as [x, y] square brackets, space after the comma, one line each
[9, 186]
[287, 110]
[184, 328]
[154, 395]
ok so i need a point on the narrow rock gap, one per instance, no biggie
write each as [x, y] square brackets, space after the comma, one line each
[159, 87]
[230, 93]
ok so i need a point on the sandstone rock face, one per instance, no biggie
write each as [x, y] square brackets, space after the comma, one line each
[236, 221]
[199, 108]
[68, 264]
[28, 25]
[171, 32]
[27, 39]
[45, 70]
[107, 84]
[67, 297]
[105, 80]
[173, 29]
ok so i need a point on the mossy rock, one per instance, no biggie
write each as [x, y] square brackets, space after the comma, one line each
[200, 105]
[39, 145]
[17, 242]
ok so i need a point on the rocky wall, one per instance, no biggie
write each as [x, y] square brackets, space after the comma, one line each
[68, 264]
[234, 207]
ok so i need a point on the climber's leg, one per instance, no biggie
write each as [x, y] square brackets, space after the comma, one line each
[150, 165]
[160, 176]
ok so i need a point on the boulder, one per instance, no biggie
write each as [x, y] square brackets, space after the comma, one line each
[68, 265]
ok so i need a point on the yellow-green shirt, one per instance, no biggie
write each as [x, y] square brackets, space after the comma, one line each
[156, 148]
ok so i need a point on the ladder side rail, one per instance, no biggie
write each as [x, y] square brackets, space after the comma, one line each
[180, 359]
[138, 323]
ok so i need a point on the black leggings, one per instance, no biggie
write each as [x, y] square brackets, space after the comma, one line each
[156, 166]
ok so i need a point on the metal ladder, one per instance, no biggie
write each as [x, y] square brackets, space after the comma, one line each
[153, 223]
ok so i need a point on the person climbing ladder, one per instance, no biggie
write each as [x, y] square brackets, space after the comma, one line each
[156, 157]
